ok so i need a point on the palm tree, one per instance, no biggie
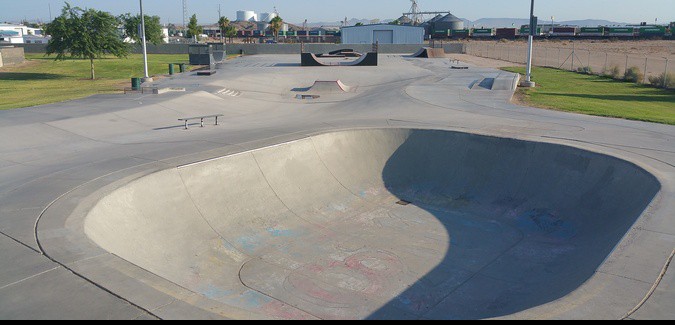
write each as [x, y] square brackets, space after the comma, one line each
[275, 25]
[223, 22]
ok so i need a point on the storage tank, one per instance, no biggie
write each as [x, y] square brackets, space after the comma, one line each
[448, 21]
[246, 15]
[267, 17]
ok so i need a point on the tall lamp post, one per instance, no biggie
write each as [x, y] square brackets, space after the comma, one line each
[145, 48]
[528, 83]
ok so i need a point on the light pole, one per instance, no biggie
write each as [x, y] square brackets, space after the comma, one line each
[533, 30]
[145, 48]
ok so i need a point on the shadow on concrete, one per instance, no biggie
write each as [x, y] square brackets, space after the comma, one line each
[528, 222]
[23, 76]
[287, 65]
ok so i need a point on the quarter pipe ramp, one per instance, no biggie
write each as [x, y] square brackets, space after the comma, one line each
[311, 60]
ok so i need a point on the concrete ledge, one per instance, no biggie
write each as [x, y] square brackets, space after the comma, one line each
[11, 56]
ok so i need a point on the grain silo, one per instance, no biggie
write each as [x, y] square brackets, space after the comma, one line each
[448, 21]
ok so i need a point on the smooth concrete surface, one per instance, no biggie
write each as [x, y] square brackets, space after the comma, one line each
[311, 224]
[109, 209]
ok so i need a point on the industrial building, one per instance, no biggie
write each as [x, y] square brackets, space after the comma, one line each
[383, 34]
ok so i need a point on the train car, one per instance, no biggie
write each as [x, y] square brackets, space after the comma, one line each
[303, 33]
[441, 34]
[315, 33]
[621, 32]
[566, 31]
[506, 33]
[652, 31]
[244, 33]
[592, 32]
[482, 32]
[258, 33]
[460, 33]
[525, 30]
[291, 34]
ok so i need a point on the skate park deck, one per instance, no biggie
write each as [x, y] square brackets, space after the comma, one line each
[577, 206]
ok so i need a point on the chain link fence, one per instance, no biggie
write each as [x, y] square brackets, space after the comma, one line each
[659, 72]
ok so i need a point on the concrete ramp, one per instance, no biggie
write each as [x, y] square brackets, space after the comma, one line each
[311, 60]
[383, 223]
[430, 53]
[330, 87]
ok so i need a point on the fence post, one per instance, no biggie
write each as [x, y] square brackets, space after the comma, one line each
[644, 81]
[589, 60]
[626, 70]
[574, 54]
[604, 70]
[665, 76]
[557, 64]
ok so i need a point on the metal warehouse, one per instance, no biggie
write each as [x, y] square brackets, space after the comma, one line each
[384, 34]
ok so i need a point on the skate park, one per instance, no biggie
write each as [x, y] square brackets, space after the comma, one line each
[405, 190]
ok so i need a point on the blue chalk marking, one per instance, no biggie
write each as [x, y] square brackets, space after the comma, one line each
[281, 233]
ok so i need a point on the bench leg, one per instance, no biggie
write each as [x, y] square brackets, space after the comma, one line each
[202, 122]
[186, 124]
[216, 120]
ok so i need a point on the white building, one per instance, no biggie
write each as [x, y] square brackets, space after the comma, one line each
[20, 34]
[383, 34]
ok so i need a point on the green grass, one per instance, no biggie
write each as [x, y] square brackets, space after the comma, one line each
[43, 81]
[595, 95]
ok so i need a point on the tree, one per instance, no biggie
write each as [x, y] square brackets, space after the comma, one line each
[230, 32]
[359, 24]
[194, 30]
[153, 28]
[89, 34]
[275, 26]
[223, 23]
[395, 22]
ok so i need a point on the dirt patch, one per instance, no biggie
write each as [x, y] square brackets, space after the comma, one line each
[15, 67]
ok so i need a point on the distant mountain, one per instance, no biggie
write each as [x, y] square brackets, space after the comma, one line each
[593, 23]
[483, 22]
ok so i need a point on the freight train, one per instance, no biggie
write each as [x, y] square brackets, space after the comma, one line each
[568, 32]
[543, 31]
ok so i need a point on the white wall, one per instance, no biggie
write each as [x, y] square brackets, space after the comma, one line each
[364, 34]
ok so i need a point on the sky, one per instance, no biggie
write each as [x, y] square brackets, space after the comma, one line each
[296, 11]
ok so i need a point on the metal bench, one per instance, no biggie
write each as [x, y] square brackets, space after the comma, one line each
[200, 118]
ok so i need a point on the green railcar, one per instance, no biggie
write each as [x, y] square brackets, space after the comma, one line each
[652, 31]
[525, 30]
[460, 33]
[592, 31]
[482, 32]
[621, 32]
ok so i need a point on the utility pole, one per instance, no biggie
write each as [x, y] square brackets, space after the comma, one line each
[530, 44]
[145, 49]
[185, 17]
[220, 16]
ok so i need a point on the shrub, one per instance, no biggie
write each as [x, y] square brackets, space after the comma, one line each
[657, 81]
[614, 72]
[633, 74]
[585, 70]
